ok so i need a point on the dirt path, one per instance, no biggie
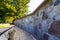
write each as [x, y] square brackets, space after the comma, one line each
[22, 35]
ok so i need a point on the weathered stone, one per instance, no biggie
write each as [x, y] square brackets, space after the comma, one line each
[57, 2]
[57, 17]
[45, 16]
[55, 28]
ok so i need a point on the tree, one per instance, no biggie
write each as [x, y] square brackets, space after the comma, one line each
[12, 9]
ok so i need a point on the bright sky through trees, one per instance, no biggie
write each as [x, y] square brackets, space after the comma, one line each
[34, 4]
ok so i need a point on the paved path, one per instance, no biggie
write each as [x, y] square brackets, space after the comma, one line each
[22, 35]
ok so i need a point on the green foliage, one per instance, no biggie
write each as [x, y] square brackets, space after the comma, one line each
[12, 9]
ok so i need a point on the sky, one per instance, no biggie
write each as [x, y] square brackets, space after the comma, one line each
[34, 4]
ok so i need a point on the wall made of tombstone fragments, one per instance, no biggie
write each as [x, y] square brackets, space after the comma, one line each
[40, 22]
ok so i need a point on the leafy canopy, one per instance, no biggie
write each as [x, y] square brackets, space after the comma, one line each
[12, 9]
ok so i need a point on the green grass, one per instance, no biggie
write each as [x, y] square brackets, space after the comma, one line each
[4, 25]
[10, 31]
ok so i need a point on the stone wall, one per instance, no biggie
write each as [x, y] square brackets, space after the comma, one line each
[5, 33]
[40, 22]
[5, 36]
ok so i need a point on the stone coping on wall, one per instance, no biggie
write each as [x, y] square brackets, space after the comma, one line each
[3, 29]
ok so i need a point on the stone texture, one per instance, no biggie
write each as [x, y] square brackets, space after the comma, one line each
[55, 28]
[31, 23]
